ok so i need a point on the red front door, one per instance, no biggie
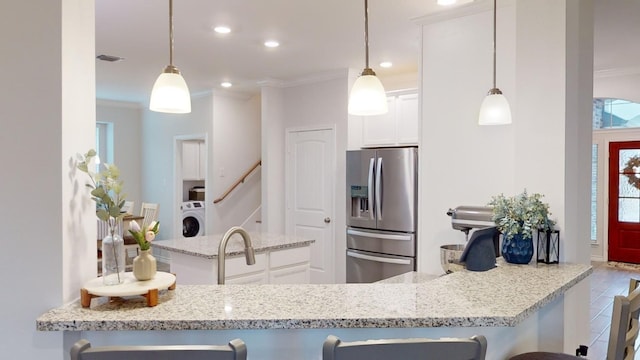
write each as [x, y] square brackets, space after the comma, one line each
[624, 201]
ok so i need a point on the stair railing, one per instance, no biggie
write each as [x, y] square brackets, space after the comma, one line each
[238, 182]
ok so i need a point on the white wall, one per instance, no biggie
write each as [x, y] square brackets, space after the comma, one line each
[621, 84]
[230, 125]
[272, 129]
[47, 217]
[311, 104]
[158, 134]
[324, 103]
[126, 119]
[236, 148]
[401, 81]
[545, 66]
[461, 163]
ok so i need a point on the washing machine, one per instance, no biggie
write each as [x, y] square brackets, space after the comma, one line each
[192, 218]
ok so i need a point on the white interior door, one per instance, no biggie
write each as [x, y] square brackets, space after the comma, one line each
[309, 199]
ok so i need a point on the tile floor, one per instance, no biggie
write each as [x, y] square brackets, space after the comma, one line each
[606, 281]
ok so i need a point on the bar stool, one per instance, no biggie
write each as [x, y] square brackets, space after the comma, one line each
[235, 350]
[474, 348]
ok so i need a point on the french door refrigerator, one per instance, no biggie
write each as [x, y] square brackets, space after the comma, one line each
[381, 213]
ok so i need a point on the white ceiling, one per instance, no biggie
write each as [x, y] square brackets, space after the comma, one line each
[316, 37]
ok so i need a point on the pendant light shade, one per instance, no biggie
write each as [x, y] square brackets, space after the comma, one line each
[367, 96]
[170, 93]
[495, 109]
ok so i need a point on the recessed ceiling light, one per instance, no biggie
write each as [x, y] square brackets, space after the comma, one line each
[446, 2]
[226, 84]
[386, 64]
[222, 29]
[271, 44]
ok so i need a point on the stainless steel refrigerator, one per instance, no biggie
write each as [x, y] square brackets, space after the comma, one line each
[382, 198]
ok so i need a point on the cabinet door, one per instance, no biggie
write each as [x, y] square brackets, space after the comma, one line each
[407, 119]
[290, 266]
[190, 160]
[380, 130]
[259, 278]
[237, 266]
[299, 274]
[202, 160]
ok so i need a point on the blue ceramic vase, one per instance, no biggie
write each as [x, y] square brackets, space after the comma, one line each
[516, 249]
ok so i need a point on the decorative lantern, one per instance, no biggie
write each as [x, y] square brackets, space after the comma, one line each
[548, 249]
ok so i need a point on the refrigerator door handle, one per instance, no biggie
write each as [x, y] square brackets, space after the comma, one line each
[379, 236]
[378, 258]
[370, 202]
[379, 189]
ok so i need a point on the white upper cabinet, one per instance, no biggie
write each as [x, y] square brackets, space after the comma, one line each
[398, 127]
[193, 160]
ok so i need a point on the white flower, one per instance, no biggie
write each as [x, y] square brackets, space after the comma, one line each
[133, 226]
[150, 235]
[151, 226]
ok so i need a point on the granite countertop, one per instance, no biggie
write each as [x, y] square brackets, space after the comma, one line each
[411, 277]
[503, 296]
[207, 246]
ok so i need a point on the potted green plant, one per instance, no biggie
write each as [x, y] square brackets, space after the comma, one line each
[517, 217]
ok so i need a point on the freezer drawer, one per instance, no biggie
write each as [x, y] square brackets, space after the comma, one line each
[385, 242]
[368, 267]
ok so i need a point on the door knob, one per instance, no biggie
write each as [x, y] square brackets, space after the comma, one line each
[327, 220]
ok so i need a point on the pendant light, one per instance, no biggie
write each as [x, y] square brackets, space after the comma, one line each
[495, 108]
[367, 96]
[170, 93]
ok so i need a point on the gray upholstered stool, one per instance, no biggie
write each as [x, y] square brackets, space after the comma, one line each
[235, 350]
[474, 348]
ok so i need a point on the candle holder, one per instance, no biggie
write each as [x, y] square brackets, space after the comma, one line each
[548, 249]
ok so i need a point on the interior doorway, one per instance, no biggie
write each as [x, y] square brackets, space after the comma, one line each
[190, 172]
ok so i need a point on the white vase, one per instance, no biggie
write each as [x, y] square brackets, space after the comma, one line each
[113, 260]
[144, 266]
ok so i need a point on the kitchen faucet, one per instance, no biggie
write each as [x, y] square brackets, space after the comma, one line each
[248, 250]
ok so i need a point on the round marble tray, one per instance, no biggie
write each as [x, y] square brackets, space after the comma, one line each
[129, 287]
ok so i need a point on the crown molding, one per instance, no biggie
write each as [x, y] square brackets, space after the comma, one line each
[625, 71]
[311, 79]
[270, 82]
[468, 9]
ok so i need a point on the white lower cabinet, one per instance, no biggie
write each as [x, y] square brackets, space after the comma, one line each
[298, 274]
[238, 272]
[290, 266]
[256, 278]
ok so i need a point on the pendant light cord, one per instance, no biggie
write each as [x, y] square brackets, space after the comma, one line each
[366, 33]
[170, 32]
[494, 43]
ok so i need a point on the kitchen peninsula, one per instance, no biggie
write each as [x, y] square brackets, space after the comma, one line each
[518, 308]
[279, 259]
